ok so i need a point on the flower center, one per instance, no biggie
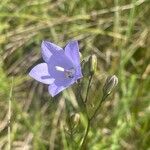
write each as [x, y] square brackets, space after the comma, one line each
[69, 73]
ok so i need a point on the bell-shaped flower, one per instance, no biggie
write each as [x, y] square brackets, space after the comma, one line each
[61, 67]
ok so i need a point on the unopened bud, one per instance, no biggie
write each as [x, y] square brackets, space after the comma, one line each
[85, 67]
[89, 66]
[110, 84]
[93, 64]
[75, 118]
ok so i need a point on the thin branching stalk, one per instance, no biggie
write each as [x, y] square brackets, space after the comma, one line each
[98, 107]
[85, 135]
[89, 122]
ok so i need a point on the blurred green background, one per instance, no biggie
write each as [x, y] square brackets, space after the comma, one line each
[117, 32]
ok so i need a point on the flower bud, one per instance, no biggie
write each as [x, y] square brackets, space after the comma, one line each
[110, 84]
[85, 67]
[89, 66]
[75, 118]
[93, 64]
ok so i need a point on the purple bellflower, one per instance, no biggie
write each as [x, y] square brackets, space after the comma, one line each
[61, 67]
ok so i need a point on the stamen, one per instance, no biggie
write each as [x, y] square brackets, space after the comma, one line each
[58, 68]
[70, 73]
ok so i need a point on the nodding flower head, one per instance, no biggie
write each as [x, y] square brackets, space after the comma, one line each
[61, 67]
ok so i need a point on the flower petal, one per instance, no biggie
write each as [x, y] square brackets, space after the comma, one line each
[78, 73]
[49, 49]
[55, 89]
[59, 60]
[72, 52]
[41, 74]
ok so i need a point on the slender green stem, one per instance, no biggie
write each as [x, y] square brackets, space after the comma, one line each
[85, 135]
[81, 101]
[89, 123]
[85, 111]
[87, 92]
[98, 107]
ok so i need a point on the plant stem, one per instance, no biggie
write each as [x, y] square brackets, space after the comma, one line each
[89, 122]
[85, 136]
[98, 107]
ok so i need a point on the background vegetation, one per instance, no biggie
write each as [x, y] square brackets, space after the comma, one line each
[117, 32]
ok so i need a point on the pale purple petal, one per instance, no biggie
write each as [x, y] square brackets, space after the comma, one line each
[60, 60]
[41, 74]
[78, 73]
[49, 49]
[54, 89]
[72, 52]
